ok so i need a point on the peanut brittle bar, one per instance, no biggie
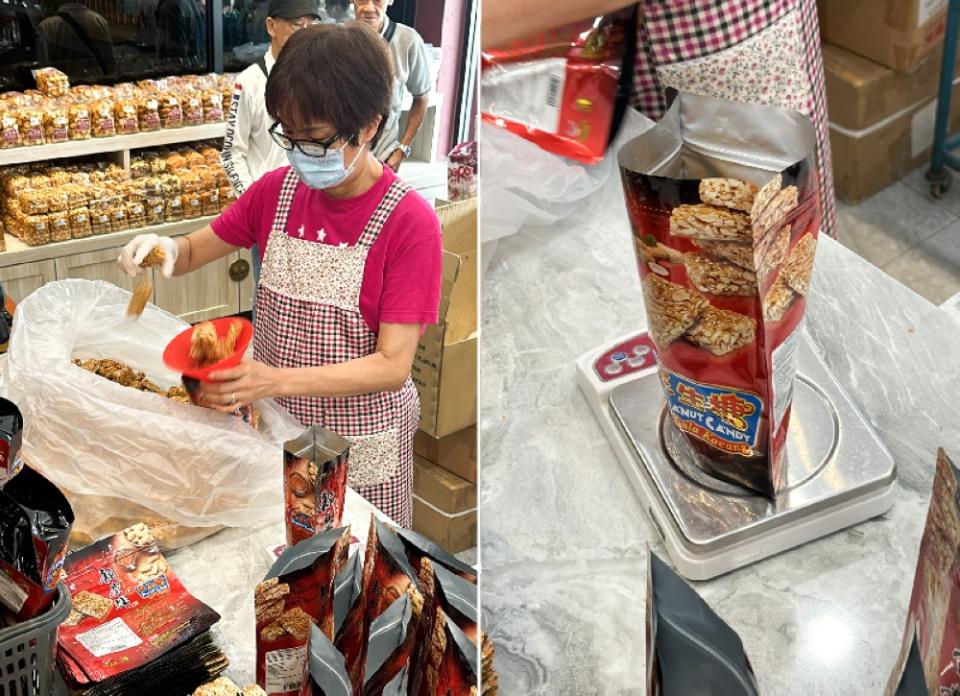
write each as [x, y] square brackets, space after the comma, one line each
[774, 215]
[728, 193]
[93, 605]
[765, 195]
[777, 300]
[719, 277]
[709, 222]
[722, 331]
[740, 253]
[771, 252]
[671, 309]
[297, 623]
[656, 252]
[799, 264]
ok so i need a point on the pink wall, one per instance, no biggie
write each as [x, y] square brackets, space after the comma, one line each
[441, 22]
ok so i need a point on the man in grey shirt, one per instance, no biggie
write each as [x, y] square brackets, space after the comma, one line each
[76, 40]
[412, 73]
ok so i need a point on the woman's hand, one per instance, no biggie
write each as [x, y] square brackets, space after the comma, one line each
[247, 382]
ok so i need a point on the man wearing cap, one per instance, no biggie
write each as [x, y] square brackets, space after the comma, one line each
[248, 150]
[411, 73]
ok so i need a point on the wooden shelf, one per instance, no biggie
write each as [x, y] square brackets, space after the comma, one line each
[117, 143]
[17, 252]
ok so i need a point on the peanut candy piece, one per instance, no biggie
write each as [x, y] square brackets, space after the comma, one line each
[771, 252]
[722, 331]
[799, 264]
[709, 222]
[273, 631]
[719, 277]
[139, 298]
[297, 623]
[671, 309]
[220, 687]
[92, 605]
[777, 300]
[765, 195]
[728, 193]
[774, 215]
[269, 611]
[656, 252]
[155, 257]
[740, 253]
[271, 590]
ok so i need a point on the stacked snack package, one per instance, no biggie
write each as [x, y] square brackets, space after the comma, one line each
[11, 440]
[462, 171]
[932, 633]
[564, 89]
[35, 524]
[296, 594]
[690, 650]
[314, 482]
[723, 202]
[56, 201]
[134, 628]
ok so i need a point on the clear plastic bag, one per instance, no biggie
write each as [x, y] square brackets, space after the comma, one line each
[122, 455]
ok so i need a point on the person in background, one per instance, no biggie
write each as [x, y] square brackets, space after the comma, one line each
[77, 41]
[248, 150]
[180, 31]
[756, 51]
[411, 73]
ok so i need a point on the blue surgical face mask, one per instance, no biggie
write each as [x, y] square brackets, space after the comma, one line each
[322, 172]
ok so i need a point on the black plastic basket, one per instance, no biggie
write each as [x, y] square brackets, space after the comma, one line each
[28, 651]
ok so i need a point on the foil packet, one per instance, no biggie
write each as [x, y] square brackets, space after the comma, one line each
[724, 206]
[315, 469]
[391, 643]
[35, 524]
[690, 650]
[932, 616]
[325, 673]
[296, 593]
[419, 547]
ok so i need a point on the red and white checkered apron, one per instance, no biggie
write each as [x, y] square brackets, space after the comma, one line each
[758, 51]
[308, 314]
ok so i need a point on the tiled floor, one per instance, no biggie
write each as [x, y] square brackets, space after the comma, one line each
[910, 235]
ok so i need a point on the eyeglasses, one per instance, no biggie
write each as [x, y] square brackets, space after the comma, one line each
[312, 148]
[303, 23]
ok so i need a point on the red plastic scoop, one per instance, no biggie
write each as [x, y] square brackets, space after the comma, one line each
[176, 355]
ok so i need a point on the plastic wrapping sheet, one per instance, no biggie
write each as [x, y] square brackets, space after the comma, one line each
[127, 454]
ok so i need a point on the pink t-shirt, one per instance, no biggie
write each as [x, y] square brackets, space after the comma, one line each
[401, 280]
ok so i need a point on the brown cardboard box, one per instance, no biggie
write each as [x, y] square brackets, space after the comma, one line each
[894, 33]
[868, 160]
[861, 92]
[456, 453]
[445, 368]
[441, 488]
[455, 533]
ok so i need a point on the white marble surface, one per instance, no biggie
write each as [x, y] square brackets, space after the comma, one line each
[563, 535]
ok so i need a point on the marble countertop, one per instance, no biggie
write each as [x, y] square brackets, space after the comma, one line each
[564, 536]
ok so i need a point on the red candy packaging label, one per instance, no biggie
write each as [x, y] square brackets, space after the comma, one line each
[724, 206]
[129, 607]
[559, 89]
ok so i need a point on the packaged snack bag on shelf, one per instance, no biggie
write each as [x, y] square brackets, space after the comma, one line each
[60, 230]
[35, 229]
[80, 222]
[56, 124]
[314, 482]
[561, 89]
[125, 116]
[148, 113]
[724, 205]
[212, 106]
[296, 594]
[9, 128]
[103, 122]
[80, 123]
[52, 82]
[30, 122]
[171, 114]
[191, 102]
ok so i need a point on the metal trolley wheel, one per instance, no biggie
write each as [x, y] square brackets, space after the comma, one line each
[939, 181]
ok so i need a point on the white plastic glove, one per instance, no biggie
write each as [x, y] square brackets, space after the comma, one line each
[137, 249]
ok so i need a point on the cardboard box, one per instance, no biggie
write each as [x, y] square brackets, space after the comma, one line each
[455, 533]
[861, 92]
[895, 33]
[441, 488]
[445, 368]
[456, 453]
[868, 160]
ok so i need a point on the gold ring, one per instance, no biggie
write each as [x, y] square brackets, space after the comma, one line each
[233, 399]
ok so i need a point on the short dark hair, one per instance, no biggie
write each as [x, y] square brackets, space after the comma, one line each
[339, 73]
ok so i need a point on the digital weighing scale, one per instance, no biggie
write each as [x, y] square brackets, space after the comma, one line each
[839, 473]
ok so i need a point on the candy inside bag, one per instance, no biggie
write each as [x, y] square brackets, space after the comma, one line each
[690, 650]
